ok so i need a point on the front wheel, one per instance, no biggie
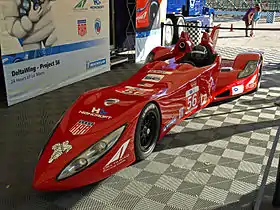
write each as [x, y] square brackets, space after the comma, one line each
[147, 131]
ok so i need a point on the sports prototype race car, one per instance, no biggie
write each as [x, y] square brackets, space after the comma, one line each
[109, 128]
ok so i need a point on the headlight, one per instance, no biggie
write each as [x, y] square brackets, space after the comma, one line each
[91, 155]
[249, 69]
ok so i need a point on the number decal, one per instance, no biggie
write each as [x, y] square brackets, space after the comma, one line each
[192, 96]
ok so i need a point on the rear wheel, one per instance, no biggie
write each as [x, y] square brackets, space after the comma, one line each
[147, 131]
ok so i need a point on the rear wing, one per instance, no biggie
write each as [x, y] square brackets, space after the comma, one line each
[215, 34]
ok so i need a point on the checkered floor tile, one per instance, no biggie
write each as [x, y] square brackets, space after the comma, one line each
[214, 159]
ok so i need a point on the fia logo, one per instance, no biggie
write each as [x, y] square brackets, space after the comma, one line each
[119, 154]
[98, 111]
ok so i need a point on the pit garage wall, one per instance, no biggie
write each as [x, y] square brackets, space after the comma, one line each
[48, 48]
[148, 35]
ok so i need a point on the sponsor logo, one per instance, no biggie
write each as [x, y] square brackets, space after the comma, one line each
[118, 158]
[153, 78]
[59, 149]
[171, 122]
[128, 90]
[82, 27]
[94, 64]
[81, 127]
[97, 4]
[181, 112]
[252, 83]
[203, 99]
[237, 89]
[192, 3]
[145, 84]
[111, 101]
[141, 17]
[97, 26]
[192, 91]
[96, 112]
[80, 4]
[160, 72]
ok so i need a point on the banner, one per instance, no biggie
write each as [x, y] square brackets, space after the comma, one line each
[48, 44]
[149, 15]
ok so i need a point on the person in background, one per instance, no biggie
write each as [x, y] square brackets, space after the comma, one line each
[256, 17]
[248, 17]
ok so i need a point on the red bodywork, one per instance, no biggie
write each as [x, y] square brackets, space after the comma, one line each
[180, 90]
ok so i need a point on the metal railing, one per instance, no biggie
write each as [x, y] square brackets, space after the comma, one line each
[243, 5]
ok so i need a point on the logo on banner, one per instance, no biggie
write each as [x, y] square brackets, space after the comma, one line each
[80, 4]
[81, 127]
[97, 4]
[97, 26]
[82, 27]
[94, 64]
[192, 2]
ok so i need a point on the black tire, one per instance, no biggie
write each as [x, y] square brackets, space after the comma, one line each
[148, 126]
[154, 15]
[259, 79]
[178, 30]
[168, 29]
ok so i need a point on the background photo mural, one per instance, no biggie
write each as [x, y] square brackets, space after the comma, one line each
[39, 42]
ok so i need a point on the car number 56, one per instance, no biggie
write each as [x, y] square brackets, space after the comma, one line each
[192, 101]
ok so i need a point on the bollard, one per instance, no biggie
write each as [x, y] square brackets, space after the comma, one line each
[231, 27]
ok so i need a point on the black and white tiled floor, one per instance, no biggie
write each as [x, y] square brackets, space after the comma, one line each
[213, 160]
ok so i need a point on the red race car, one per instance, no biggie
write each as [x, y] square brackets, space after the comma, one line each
[147, 15]
[109, 128]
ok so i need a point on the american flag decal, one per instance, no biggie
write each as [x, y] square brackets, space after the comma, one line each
[81, 127]
[82, 27]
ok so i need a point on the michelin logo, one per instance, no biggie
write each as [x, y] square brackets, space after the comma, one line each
[94, 64]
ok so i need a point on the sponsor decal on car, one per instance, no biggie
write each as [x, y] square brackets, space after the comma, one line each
[181, 112]
[81, 127]
[136, 91]
[192, 96]
[96, 112]
[153, 78]
[252, 83]
[171, 122]
[160, 72]
[203, 99]
[59, 149]
[119, 158]
[237, 89]
[82, 27]
[111, 101]
[143, 84]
